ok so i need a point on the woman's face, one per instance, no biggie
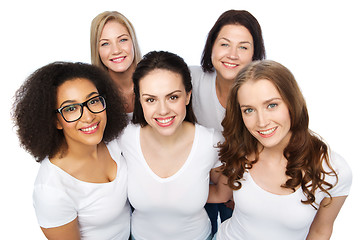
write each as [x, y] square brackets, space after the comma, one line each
[116, 47]
[164, 99]
[265, 114]
[232, 50]
[89, 129]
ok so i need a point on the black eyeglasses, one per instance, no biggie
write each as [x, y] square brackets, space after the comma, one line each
[74, 112]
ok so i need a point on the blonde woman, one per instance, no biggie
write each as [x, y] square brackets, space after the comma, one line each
[114, 48]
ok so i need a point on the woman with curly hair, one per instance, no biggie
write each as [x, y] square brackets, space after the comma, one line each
[114, 48]
[234, 41]
[286, 183]
[67, 116]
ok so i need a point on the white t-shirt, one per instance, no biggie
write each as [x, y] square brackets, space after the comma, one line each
[260, 215]
[170, 208]
[206, 106]
[102, 208]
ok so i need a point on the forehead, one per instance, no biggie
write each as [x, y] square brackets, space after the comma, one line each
[255, 92]
[235, 32]
[160, 82]
[113, 26]
[75, 89]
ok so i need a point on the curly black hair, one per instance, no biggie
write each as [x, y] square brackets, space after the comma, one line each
[35, 101]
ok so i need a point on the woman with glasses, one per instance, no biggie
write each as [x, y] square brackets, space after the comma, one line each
[67, 115]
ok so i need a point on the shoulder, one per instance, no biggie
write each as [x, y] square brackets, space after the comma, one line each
[211, 134]
[344, 175]
[48, 174]
[339, 164]
[200, 77]
[195, 70]
[115, 152]
[128, 132]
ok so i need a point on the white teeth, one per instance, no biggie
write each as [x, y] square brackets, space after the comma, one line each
[268, 131]
[89, 129]
[165, 120]
[117, 59]
[230, 65]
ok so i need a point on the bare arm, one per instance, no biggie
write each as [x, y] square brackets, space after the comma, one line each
[215, 173]
[69, 231]
[220, 192]
[322, 225]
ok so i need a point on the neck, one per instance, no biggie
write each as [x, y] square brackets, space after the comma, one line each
[81, 152]
[223, 88]
[123, 80]
[169, 140]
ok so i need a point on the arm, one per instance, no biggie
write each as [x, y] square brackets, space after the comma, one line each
[215, 174]
[219, 192]
[322, 225]
[69, 231]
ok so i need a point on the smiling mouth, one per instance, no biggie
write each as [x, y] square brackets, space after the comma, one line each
[267, 133]
[230, 65]
[90, 129]
[117, 60]
[164, 120]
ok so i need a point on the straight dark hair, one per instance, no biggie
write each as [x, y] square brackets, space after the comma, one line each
[234, 17]
[161, 60]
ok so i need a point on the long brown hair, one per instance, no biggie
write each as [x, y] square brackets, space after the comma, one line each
[305, 151]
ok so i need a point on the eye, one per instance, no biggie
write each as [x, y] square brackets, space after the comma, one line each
[224, 44]
[94, 101]
[123, 40]
[243, 47]
[104, 44]
[272, 105]
[248, 110]
[173, 98]
[149, 100]
[70, 108]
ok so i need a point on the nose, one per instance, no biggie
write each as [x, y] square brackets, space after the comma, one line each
[87, 115]
[233, 53]
[116, 48]
[262, 119]
[163, 108]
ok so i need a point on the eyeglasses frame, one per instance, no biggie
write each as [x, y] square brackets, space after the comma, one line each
[59, 110]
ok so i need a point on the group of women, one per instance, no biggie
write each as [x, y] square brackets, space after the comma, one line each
[134, 148]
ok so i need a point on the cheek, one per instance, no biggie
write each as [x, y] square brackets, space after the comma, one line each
[146, 110]
[247, 58]
[248, 123]
[103, 54]
[130, 50]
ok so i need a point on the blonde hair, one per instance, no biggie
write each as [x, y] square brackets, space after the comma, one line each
[96, 29]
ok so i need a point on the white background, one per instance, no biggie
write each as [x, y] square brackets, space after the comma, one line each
[319, 41]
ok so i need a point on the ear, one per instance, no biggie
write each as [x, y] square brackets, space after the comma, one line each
[189, 94]
[58, 124]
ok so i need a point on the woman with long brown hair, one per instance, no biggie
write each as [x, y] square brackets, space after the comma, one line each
[286, 183]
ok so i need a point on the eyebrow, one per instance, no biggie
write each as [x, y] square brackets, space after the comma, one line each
[241, 42]
[169, 94]
[265, 102]
[106, 39]
[73, 101]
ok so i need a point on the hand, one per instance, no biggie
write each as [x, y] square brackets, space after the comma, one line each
[230, 204]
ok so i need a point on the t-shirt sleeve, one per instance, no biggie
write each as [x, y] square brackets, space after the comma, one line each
[53, 207]
[344, 173]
